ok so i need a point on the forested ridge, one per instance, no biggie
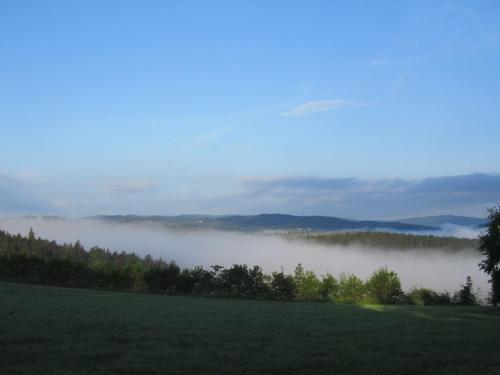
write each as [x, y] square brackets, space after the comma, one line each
[388, 240]
[35, 260]
[263, 222]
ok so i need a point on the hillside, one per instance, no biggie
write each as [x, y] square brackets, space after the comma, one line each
[267, 222]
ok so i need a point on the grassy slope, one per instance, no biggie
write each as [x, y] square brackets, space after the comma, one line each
[54, 330]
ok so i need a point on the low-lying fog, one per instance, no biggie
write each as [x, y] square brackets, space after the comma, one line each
[431, 268]
[452, 230]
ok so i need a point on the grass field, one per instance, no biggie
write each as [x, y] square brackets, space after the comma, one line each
[46, 330]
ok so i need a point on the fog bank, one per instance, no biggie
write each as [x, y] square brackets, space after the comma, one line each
[429, 268]
[452, 230]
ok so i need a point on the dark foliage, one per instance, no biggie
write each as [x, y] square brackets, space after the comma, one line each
[387, 240]
[283, 286]
[423, 296]
[490, 248]
[466, 295]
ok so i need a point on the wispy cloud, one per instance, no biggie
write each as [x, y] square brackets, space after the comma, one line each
[397, 84]
[127, 188]
[405, 60]
[378, 62]
[235, 115]
[211, 136]
[321, 106]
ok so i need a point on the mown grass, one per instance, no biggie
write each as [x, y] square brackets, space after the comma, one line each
[47, 330]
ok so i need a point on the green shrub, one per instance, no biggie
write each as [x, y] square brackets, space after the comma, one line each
[308, 285]
[329, 289]
[424, 296]
[384, 286]
[351, 289]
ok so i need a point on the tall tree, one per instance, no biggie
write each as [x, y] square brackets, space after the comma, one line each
[31, 235]
[490, 248]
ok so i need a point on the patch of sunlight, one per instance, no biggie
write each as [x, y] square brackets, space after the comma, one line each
[427, 314]
[378, 308]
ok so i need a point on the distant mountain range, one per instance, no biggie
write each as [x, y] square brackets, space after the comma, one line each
[271, 222]
[440, 220]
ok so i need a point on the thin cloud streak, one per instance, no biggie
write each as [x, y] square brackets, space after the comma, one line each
[321, 106]
[127, 188]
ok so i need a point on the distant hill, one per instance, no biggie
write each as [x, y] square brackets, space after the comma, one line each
[438, 221]
[388, 240]
[269, 222]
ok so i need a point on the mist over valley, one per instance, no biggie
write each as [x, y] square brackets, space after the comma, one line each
[436, 268]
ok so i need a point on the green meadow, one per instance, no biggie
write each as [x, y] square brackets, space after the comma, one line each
[49, 330]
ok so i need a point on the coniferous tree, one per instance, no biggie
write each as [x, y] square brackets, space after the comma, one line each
[466, 295]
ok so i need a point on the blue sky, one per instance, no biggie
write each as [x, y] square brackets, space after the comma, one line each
[182, 107]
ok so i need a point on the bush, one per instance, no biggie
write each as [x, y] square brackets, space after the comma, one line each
[351, 289]
[307, 284]
[283, 286]
[162, 278]
[329, 289]
[423, 296]
[384, 286]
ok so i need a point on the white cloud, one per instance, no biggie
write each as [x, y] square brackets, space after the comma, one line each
[320, 106]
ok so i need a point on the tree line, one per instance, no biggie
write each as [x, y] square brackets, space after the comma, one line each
[34, 260]
[388, 240]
